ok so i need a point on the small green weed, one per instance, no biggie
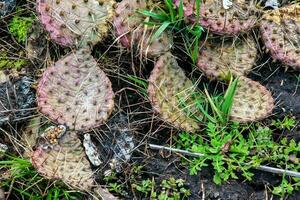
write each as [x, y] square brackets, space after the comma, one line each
[25, 183]
[169, 189]
[19, 27]
[287, 123]
[9, 63]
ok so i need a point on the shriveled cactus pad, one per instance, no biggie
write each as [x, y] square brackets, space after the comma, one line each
[132, 33]
[75, 92]
[217, 59]
[168, 90]
[76, 22]
[240, 17]
[64, 161]
[252, 101]
[280, 30]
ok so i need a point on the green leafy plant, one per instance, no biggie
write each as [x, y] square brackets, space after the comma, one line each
[9, 63]
[287, 123]
[26, 183]
[19, 26]
[169, 189]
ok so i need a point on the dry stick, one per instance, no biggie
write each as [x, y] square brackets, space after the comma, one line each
[260, 167]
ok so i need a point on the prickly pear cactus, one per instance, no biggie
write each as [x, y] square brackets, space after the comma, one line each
[168, 89]
[76, 22]
[132, 33]
[252, 101]
[218, 18]
[236, 57]
[75, 92]
[280, 30]
[64, 161]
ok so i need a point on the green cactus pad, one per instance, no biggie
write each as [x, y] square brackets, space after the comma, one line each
[252, 101]
[76, 22]
[168, 87]
[75, 92]
[236, 57]
[65, 161]
[280, 30]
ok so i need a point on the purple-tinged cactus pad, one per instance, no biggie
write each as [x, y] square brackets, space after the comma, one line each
[280, 31]
[132, 33]
[168, 87]
[240, 17]
[75, 92]
[65, 161]
[218, 59]
[76, 22]
[252, 101]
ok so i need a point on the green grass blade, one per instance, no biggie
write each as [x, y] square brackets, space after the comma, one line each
[159, 31]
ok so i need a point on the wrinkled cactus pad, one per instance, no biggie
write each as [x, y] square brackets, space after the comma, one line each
[76, 22]
[168, 88]
[64, 161]
[218, 59]
[240, 17]
[280, 30]
[75, 92]
[132, 33]
[252, 101]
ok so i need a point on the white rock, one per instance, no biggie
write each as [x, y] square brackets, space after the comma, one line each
[91, 150]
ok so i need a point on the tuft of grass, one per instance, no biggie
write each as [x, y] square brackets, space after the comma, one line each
[167, 17]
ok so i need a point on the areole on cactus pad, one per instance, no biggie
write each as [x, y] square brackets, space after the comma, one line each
[280, 29]
[75, 92]
[223, 57]
[76, 22]
[240, 17]
[251, 102]
[134, 34]
[168, 89]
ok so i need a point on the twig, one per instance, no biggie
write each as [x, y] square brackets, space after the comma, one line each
[260, 167]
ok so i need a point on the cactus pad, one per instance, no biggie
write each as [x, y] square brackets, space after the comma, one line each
[168, 86]
[280, 30]
[240, 17]
[76, 22]
[218, 60]
[64, 161]
[251, 102]
[75, 92]
[132, 33]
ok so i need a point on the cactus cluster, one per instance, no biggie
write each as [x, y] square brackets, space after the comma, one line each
[222, 58]
[280, 31]
[213, 15]
[75, 92]
[133, 34]
[168, 89]
[252, 101]
[76, 22]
